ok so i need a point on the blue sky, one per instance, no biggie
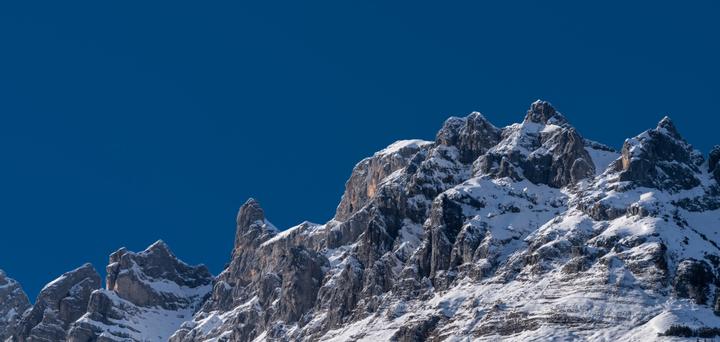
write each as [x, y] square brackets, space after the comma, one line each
[126, 122]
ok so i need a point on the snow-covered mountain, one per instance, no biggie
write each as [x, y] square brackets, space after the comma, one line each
[526, 232]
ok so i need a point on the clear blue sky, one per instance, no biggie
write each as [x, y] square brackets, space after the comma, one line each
[126, 122]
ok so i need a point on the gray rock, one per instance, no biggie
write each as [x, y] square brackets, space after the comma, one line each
[555, 156]
[660, 158]
[13, 303]
[59, 303]
[139, 286]
[693, 279]
[713, 160]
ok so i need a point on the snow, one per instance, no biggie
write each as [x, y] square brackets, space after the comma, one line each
[400, 144]
[601, 158]
[527, 234]
[145, 324]
[305, 228]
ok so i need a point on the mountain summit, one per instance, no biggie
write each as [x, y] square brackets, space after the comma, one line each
[525, 232]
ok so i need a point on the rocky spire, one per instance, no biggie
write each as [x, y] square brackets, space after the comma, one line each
[252, 226]
[668, 127]
[59, 303]
[13, 302]
[249, 213]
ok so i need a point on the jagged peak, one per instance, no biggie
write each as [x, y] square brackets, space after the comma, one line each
[476, 120]
[250, 212]
[660, 158]
[453, 125]
[252, 226]
[159, 247]
[476, 116]
[67, 279]
[543, 112]
[668, 127]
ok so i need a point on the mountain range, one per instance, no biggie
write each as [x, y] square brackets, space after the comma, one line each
[524, 232]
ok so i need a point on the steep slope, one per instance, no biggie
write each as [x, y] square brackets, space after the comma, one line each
[59, 303]
[526, 232]
[147, 296]
[13, 303]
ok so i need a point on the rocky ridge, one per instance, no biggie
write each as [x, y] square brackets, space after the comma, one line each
[523, 232]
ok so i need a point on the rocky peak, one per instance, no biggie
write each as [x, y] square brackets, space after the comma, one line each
[542, 112]
[249, 213]
[13, 302]
[252, 227]
[133, 276]
[666, 126]
[140, 286]
[660, 158]
[472, 135]
[59, 303]
[544, 149]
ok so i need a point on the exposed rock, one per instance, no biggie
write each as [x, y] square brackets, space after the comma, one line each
[369, 173]
[544, 149]
[660, 158]
[13, 303]
[713, 160]
[148, 295]
[693, 279]
[417, 331]
[472, 136]
[528, 232]
[59, 303]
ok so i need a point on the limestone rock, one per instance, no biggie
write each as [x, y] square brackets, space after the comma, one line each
[13, 303]
[59, 303]
[148, 296]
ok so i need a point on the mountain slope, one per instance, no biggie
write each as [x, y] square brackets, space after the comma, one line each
[528, 231]
[524, 232]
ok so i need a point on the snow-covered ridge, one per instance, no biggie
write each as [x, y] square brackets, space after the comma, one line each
[525, 232]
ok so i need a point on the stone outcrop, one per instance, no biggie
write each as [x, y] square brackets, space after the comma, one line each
[60, 303]
[693, 279]
[660, 158]
[139, 288]
[544, 149]
[13, 303]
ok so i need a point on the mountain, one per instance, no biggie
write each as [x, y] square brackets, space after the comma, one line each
[525, 232]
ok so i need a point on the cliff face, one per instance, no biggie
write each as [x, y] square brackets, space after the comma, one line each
[13, 303]
[527, 231]
[524, 232]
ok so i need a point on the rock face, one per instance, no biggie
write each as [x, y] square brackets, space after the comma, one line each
[59, 303]
[526, 232]
[147, 297]
[463, 237]
[544, 149]
[13, 303]
[267, 283]
[660, 158]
